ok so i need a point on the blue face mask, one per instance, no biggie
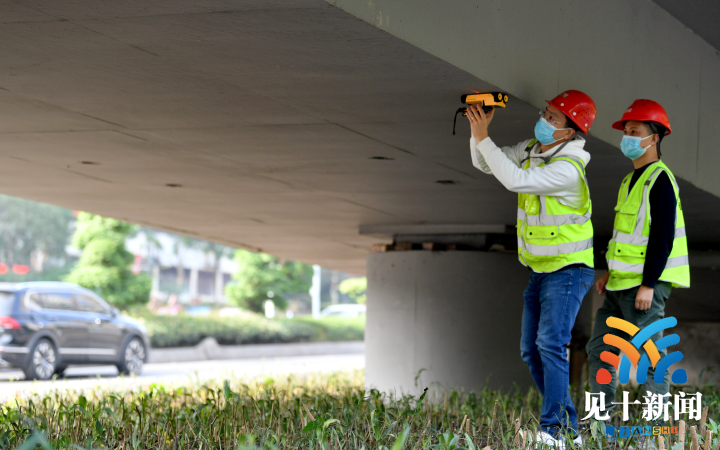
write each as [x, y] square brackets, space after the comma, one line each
[630, 146]
[544, 132]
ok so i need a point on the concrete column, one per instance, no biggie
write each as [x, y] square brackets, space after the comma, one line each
[334, 281]
[455, 314]
[219, 291]
[193, 283]
[156, 278]
[315, 290]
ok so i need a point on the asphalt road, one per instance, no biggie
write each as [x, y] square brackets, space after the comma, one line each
[13, 383]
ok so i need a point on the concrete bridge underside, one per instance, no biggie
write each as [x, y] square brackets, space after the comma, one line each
[287, 126]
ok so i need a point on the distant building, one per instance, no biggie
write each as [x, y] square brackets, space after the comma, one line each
[196, 276]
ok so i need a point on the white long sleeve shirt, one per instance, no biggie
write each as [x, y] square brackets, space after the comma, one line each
[559, 179]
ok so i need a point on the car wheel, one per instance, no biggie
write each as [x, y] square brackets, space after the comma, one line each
[60, 370]
[133, 355]
[42, 361]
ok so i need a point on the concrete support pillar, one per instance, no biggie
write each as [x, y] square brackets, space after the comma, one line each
[219, 288]
[455, 315]
[334, 281]
[315, 290]
[156, 278]
[193, 283]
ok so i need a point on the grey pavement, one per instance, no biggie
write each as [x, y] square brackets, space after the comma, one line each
[78, 378]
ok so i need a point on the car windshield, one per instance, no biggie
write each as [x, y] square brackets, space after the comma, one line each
[6, 303]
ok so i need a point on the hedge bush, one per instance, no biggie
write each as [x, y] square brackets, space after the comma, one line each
[249, 328]
[335, 329]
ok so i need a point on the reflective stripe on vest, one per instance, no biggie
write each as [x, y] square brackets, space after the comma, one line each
[643, 240]
[559, 249]
[552, 235]
[628, 247]
[677, 261]
[559, 219]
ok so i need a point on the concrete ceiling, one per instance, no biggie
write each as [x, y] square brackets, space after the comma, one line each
[701, 16]
[255, 124]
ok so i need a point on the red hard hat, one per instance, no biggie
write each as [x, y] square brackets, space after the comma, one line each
[578, 107]
[644, 111]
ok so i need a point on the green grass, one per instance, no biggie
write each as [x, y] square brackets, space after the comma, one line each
[249, 328]
[313, 412]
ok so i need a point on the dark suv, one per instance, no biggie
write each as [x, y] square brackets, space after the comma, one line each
[46, 326]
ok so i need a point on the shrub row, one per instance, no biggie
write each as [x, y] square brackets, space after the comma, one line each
[185, 331]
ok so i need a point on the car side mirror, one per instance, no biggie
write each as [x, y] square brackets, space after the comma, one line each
[115, 312]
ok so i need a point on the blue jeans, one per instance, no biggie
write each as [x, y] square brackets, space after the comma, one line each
[552, 301]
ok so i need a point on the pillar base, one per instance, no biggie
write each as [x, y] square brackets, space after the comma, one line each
[444, 319]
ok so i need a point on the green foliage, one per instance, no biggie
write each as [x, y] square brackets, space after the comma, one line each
[182, 330]
[316, 411]
[335, 329]
[27, 227]
[249, 328]
[354, 288]
[260, 277]
[91, 227]
[105, 263]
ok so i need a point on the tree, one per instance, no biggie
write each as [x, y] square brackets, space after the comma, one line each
[260, 277]
[355, 289]
[32, 233]
[105, 263]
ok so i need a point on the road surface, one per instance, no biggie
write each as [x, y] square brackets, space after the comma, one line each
[12, 383]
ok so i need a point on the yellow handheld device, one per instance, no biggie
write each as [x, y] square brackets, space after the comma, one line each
[488, 100]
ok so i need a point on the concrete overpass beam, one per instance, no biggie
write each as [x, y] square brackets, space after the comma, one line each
[615, 51]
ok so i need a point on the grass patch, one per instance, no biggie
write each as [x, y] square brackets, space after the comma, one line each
[312, 412]
[248, 328]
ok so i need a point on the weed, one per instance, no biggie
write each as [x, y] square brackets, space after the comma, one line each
[315, 411]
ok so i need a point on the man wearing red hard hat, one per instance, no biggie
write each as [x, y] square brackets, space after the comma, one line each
[647, 255]
[555, 241]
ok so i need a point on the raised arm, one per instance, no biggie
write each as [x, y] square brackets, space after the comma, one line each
[479, 133]
[514, 153]
[559, 179]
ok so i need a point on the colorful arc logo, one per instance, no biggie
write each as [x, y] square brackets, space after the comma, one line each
[631, 352]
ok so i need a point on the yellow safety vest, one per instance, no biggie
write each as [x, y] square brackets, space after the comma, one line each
[628, 246]
[552, 235]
